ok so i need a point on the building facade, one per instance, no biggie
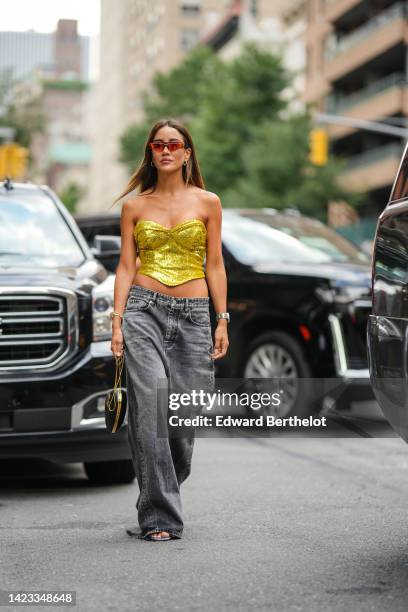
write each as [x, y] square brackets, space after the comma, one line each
[25, 53]
[46, 78]
[277, 27]
[137, 38]
[357, 68]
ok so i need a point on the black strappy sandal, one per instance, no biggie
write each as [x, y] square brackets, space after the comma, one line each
[152, 536]
[137, 533]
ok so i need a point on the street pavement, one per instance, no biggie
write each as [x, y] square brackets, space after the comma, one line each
[280, 523]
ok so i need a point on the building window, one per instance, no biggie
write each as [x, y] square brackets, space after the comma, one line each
[190, 7]
[189, 38]
[253, 7]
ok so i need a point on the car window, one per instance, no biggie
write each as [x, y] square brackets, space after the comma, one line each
[33, 232]
[262, 239]
[92, 226]
[319, 236]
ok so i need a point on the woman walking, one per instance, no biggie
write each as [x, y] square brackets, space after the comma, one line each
[161, 318]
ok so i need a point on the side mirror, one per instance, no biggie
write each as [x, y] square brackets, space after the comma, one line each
[106, 245]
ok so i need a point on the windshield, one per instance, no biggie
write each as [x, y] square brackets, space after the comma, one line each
[34, 233]
[264, 238]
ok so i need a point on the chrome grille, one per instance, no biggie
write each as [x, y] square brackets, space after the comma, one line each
[30, 305]
[349, 338]
[354, 325]
[37, 327]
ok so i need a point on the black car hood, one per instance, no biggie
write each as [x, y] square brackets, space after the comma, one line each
[82, 279]
[339, 273]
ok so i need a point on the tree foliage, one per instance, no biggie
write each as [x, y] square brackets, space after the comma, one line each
[26, 117]
[253, 152]
[70, 196]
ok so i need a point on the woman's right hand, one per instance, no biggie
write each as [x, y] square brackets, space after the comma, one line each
[117, 341]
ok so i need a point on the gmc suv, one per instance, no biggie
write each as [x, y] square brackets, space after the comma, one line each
[387, 329]
[55, 360]
[299, 296]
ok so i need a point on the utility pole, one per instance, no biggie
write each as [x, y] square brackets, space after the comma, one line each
[319, 138]
[362, 124]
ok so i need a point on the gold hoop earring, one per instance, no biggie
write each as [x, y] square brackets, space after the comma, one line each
[152, 164]
[185, 163]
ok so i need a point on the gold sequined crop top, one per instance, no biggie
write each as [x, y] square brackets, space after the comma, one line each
[171, 255]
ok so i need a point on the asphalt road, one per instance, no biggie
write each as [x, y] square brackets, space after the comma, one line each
[282, 523]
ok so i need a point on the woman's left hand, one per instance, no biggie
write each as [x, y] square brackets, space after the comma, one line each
[220, 340]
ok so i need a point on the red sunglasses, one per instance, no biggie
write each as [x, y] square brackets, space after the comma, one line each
[158, 147]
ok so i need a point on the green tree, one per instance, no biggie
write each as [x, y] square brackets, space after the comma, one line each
[279, 174]
[6, 83]
[70, 196]
[253, 152]
[27, 119]
[179, 92]
[173, 94]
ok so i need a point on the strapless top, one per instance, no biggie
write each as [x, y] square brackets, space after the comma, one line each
[171, 255]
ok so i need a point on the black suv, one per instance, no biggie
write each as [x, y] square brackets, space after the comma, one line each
[299, 297]
[387, 329]
[55, 360]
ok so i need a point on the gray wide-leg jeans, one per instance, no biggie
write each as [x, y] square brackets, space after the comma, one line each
[167, 345]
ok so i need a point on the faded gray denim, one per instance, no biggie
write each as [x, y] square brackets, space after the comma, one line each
[167, 340]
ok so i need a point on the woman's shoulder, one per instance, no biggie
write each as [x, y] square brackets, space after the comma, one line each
[210, 204]
[133, 205]
[209, 197]
[136, 198]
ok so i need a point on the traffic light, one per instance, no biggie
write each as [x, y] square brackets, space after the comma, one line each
[3, 161]
[319, 147]
[13, 160]
[19, 157]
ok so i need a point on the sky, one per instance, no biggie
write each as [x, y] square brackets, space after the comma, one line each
[42, 15]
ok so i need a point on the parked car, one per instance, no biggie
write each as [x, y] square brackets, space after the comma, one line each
[102, 233]
[299, 297]
[387, 329]
[56, 365]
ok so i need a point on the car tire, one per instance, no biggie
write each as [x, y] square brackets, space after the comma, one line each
[276, 354]
[110, 472]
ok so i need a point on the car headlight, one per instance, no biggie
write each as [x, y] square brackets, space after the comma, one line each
[102, 306]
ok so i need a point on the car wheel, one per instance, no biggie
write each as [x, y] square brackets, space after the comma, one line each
[110, 472]
[277, 355]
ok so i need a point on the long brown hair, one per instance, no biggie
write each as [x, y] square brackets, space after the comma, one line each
[145, 175]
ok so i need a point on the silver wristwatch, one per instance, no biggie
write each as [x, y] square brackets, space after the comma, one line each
[223, 315]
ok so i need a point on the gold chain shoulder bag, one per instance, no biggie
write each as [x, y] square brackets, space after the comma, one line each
[115, 402]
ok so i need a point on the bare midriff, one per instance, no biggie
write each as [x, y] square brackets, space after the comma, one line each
[197, 287]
